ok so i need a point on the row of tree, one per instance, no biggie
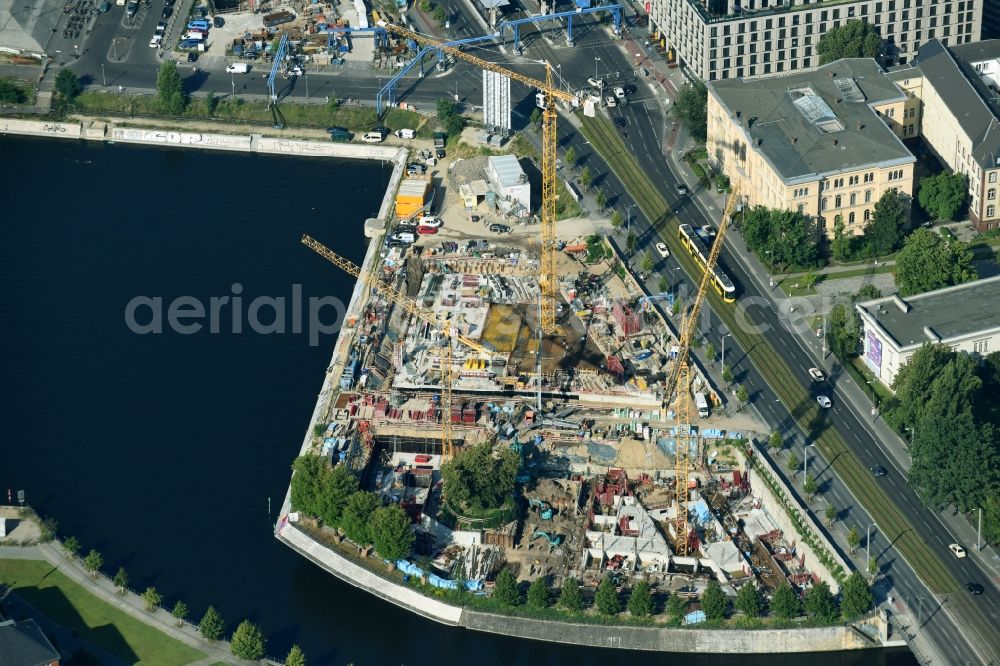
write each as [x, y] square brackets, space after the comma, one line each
[247, 641]
[331, 495]
[882, 235]
[781, 238]
[819, 603]
[944, 401]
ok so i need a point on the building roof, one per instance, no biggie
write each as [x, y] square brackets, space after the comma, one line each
[937, 316]
[23, 644]
[508, 169]
[817, 122]
[973, 104]
[988, 49]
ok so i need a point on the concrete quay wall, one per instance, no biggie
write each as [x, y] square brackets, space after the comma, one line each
[723, 641]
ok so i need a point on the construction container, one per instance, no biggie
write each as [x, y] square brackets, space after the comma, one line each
[411, 196]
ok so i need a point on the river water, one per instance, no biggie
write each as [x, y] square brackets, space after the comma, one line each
[162, 449]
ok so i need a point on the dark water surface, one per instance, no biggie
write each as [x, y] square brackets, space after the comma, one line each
[161, 450]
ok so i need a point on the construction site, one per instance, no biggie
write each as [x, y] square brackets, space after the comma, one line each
[487, 328]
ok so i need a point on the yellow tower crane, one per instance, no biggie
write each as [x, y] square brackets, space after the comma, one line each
[679, 382]
[547, 101]
[444, 327]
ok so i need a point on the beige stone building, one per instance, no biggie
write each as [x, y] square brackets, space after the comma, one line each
[826, 142]
[725, 39]
[953, 105]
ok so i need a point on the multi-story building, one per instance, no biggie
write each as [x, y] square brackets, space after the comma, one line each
[724, 39]
[895, 328]
[959, 116]
[824, 142]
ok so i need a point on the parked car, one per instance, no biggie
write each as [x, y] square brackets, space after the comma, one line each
[426, 230]
[430, 221]
[156, 41]
[199, 24]
[956, 550]
[237, 68]
[105, 7]
[193, 56]
[161, 27]
[406, 133]
[403, 237]
[218, 21]
[816, 374]
[630, 89]
[415, 169]
[500, 228]
[596, 83]
[167, 12]
[619, 92]
[824, 401]
[611, 101]
[338, 134]
[662, 249]
[168, 3]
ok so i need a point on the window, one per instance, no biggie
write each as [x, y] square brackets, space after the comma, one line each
[993, 176]
[990, 211]
[991, 193]
[801, 192]
[868, 214]
[868, 196]
[850, 219]
[837, 201]
[823, 203]
[802, 208]
[981, 346]
[853, 180]
[869, 177]
[854, 198]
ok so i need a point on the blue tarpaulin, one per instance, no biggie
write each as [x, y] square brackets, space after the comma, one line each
[445, 584]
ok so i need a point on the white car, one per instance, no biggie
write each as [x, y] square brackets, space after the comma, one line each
[403, 237]
[956, 550]
[619, 92]
[611, 101]
[662, 249]
[430, 221]
[824, 401]
[816, 374]
[156, 41]
[596, 83]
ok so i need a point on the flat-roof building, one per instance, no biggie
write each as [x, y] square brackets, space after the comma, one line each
[961, 317]
[725, 39]
[823, 142]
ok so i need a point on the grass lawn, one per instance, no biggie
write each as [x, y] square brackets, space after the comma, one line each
[792, 286]
[771, 365]
[75, 608]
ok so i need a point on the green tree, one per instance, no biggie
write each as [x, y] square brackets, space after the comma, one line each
[248, 641]
[914, 385]
[478, 479]
[11, 92]
[180, 612]
[569, 595]
[885, 231]
[357, 515]
[854, 39]
[601, 199]
[295, 657]
[927, 261]
[714, 601]
[710, 352]
[169, 89]
[332, 102]
[211, 102]
[844, 245]
[449, 116]
[793, 464]
[742, 396]
[663, 284]
[872, 567]
[536, 116]
[439, 14]
[151, 598]
[426, 6]
[307, 474]
[606, 598]
[68, 85]
[616, 220]
[843, 331]
[93, 562]
[780, 238]
[538, 593]
[830, 514]
[640, 600]
[339, 484]
[506, 591]
[809, 486]
[676, 606]
[631, 241]
[646, 263]
[748, 600]
[853, 539]
[727, 373]
[571, 156]
[867, 292]
[775, 442]
[943, 195]
[586, 178]
[809, 280]
[71, 546]
[691, 106]
[211, 626]
[785, 603]
[391, 532]
[121, 580]
[820, 604]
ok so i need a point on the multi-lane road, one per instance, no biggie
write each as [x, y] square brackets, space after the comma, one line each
[646, 131]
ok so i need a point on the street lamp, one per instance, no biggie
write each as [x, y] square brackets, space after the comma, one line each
[596, 60]
[805, 461]
[868, 542]
[628, 221]
[104, 79]
[874, 405]
[724, 348]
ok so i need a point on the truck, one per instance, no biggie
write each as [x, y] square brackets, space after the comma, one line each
[278, 18]
[237, 68]
[702, 404]
[439, 138]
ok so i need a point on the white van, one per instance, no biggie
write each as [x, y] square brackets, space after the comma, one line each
[237, 68]
[406, 133]
[372, 137]
[702, 404]
[193, 37]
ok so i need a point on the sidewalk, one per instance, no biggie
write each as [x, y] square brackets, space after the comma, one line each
[129, 603]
